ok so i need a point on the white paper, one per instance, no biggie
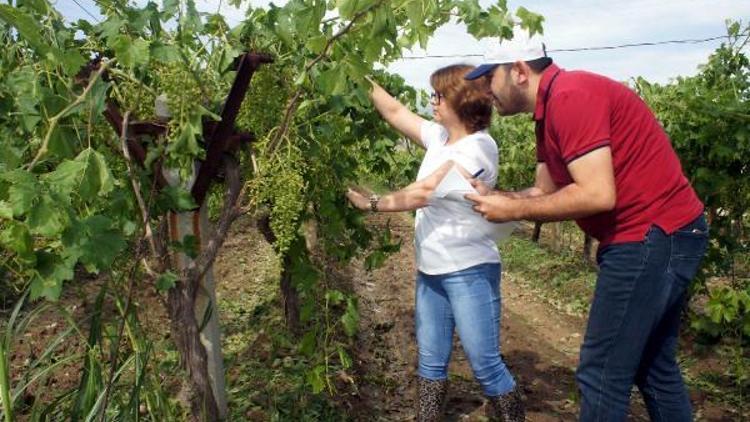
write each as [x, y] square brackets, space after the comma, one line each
[454, 186]
[502, 231]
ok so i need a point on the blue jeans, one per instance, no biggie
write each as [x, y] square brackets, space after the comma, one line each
[633, 326]
[468, 300]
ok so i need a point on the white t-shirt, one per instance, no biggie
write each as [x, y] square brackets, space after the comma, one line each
[449, 235]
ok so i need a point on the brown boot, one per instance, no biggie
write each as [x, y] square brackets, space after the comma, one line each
[508, 407]
[431, 400]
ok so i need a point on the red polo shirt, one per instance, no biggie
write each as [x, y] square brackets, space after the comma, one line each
[584, 112]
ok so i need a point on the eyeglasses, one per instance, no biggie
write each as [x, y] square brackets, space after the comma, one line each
[435, 97]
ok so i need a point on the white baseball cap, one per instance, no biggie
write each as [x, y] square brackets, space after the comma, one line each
[522, 47]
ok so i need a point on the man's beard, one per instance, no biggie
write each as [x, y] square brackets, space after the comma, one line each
[513, 104]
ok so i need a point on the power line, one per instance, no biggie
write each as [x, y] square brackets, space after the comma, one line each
[597, 48]
[640, 44]
[87, 11]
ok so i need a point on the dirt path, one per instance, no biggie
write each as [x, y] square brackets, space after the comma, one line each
[539, 344]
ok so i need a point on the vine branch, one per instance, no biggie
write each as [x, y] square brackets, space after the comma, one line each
[136, 185]
[294, 101]
[53, 121]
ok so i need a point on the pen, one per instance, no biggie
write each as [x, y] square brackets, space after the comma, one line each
[475, 175]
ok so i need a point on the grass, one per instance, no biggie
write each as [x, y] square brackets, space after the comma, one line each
[267, 373]
[562, 279]
[267, 376]
[566, 281]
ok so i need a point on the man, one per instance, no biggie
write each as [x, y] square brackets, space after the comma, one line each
[604, 161]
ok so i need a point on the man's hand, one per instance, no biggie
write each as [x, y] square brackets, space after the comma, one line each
[358, 200]
[480, 187]
[495, 208]
[486, 190]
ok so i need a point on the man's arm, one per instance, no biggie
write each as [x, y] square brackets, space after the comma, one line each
[543, 185]
[592, 191]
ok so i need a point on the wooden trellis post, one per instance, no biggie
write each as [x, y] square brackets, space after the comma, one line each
[192, 302]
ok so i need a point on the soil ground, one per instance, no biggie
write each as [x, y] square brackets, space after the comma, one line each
[539, 341]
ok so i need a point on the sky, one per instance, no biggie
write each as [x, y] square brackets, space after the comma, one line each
[568, 24]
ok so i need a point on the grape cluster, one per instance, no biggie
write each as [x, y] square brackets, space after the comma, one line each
[180, 87]
[265, 102]
[282, 186]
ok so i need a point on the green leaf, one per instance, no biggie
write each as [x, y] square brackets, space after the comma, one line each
[316, 378]
[51, 272]
[191, 20]
[130, 52]
[348, 8]
[284, 27]
[16, 237]
[308, 343]
[10, 156]
[71, 61]
[112, 26]
[166, 281]
[27, 27]
[23, 191]
[307, 19]
[177, 199]
[375, 260]
[316, 44]
[6, 211]
[495, 22]
[170, 8]
[63, 142]
[22, 82]
[344, 358]
[96, 179]
[88, 174]
[307, 311]
[333, 80]
[41, 7]
[531, 21]
[334, 297]
[379, 23]
[66, 177]
[350, 319]
[186, 142]
[190, 246]
[95, 242]
[46, 217]
[164, 52]
[98, 97]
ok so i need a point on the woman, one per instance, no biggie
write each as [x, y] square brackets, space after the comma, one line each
[457, 257]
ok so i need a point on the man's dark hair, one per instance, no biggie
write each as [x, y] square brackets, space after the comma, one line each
[538, 65]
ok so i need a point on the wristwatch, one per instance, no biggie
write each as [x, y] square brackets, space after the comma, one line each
[374, 202]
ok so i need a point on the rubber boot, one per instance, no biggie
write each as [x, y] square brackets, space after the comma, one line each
[431, 399]
[507, 407]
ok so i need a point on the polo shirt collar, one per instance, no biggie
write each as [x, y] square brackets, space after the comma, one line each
[544, 85]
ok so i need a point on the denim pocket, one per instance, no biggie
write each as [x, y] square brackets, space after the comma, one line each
[689, 245]
[691, 240]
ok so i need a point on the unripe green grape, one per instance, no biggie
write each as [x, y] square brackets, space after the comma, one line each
[282, 186]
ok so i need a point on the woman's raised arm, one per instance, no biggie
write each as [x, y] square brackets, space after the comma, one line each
[396, 114]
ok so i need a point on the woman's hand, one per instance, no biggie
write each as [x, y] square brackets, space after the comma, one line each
[358, 200]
